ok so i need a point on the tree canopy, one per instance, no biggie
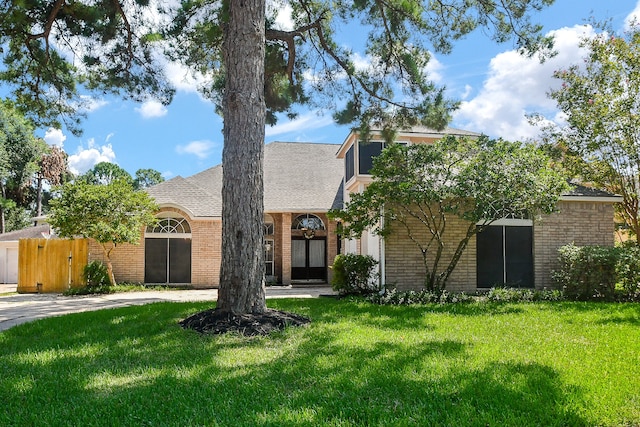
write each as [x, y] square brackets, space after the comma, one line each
[21, 151]
[104, 173]
[417, 189]
[111, 214]
[253, 69]
[146, 178]
[600, 143]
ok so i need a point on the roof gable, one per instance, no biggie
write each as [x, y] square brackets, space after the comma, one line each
[297, 177]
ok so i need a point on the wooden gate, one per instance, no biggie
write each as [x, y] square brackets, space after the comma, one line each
[51, 265]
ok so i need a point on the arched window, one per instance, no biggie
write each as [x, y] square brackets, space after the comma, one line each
[268, 225]
[308, 223]
[170, 225]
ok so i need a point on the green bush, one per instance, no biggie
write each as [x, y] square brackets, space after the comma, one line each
[354, 274]
[392, 296]
[628, 271]
[505, 294]
[97, 277]
[587, 272]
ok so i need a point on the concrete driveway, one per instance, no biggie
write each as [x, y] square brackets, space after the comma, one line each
[22, 308]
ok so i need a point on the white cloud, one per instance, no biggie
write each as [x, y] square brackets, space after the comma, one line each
[633, 17]
[89, 104]
[182, 78]
[85, 159]
[517, 86]
[434, 69]
[55, 137]
[201, 149]
[151, 109]
[304, 122]
[283, 15]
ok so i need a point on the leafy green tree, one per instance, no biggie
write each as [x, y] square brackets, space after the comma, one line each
[111, 214]
[600, 143]
[104, 173]
[21, 151]
[255, 71]
[478, 181]
[146, 178]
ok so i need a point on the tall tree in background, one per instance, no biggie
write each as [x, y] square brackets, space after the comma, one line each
[146, 178]
[104, 173]
[256, 71]
[23, 151]
[601, 99]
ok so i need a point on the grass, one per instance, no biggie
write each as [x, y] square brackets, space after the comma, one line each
[542, 364]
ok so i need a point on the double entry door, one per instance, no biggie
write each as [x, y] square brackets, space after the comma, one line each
[308, 258]
[167, 260]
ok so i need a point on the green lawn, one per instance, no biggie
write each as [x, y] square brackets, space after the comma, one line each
[542, 364]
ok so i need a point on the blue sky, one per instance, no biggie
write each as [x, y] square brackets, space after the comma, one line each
[496, 85]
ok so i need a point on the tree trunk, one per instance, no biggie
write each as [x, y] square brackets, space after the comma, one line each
[242, 270]
[39, 196]
[2, 199]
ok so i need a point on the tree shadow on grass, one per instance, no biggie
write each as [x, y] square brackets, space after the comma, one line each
[136, 366]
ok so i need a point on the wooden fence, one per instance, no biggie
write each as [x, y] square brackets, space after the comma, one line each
[51, 265]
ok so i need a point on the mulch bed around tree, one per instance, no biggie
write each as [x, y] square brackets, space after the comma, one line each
[215, 322]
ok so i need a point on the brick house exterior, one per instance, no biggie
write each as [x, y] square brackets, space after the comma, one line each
[303, 181]
[583, 217]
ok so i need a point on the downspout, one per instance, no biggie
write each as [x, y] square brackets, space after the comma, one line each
[381, 250]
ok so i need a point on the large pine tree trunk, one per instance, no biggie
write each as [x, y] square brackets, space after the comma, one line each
[242, 271]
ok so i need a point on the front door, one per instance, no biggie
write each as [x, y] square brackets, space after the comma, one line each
[308, 258]
[167, 260]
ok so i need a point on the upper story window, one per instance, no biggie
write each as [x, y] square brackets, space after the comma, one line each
[366, 153]
[350, 163]
[369, 151]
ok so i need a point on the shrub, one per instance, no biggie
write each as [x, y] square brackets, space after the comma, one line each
[587, 272]
[504, 294]
[394, 297]
[354, 274]
[97, 277]
[628, 271]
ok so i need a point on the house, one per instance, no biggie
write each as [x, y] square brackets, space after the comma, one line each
[517, 252]
[302, 182]
[9, 250]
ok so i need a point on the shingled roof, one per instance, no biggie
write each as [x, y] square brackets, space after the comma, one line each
[36, 232]
[298, 177]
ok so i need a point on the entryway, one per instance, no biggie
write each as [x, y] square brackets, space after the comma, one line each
[308, 259]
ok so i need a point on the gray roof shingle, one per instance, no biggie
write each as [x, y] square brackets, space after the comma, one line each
[36, 232]
[298, 177]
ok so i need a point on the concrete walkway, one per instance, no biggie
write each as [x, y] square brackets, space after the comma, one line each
[22, 308]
